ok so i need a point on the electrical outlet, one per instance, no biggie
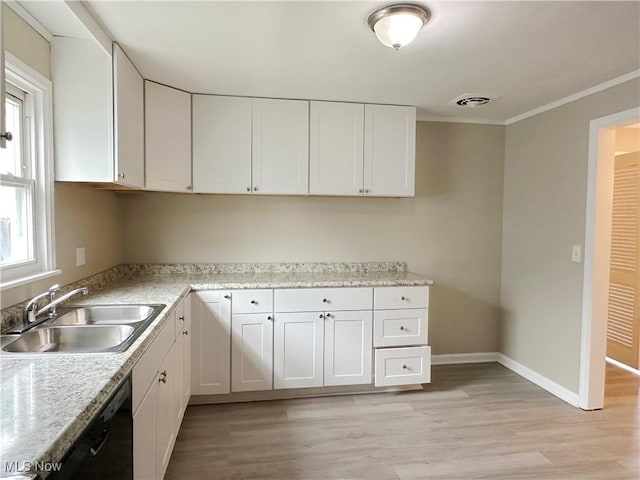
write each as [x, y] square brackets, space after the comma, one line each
[81, 258]
[576, 253]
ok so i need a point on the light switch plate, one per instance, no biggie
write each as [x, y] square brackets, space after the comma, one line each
[576, 253]
[81, 258]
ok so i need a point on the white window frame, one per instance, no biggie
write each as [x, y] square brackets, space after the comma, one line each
[39, 107]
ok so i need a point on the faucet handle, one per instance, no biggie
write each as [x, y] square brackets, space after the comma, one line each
[54, 288]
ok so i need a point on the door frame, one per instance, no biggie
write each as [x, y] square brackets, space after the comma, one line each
[597, 252]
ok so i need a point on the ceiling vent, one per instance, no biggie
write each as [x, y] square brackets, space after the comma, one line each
[471, 100]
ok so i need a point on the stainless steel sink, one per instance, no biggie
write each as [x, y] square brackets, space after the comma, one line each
[85, 329]
[102, 338]
[105, 315]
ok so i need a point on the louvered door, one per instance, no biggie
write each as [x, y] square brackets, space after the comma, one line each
[623, 325]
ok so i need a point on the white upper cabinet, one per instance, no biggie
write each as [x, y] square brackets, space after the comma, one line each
[250, 145]
[98, 114]
[128, 111]
[280, 157]
[389, 150]
[3, 141]
[336, 148]
[167, 138]
[221, 144]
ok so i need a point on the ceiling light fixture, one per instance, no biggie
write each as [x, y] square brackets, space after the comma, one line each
[397, 25]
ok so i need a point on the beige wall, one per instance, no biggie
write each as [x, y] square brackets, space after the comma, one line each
[451, 230]
[24, 42]
[544, 214]
[83, 216]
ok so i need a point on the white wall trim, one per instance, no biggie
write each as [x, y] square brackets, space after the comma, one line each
[458, 358]
[550, 386]
[30, 19]
[574, 97]
[477, 121]
[597, 249]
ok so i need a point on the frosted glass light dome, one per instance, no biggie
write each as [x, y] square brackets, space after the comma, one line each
[397, 25]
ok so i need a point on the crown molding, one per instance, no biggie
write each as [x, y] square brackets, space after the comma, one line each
[574, 97]
[478, 121]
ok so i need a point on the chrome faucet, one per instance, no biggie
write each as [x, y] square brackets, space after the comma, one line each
[31, 309]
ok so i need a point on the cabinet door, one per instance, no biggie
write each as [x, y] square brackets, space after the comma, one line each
[3, 128]
[211, 324]
[280, 132]
[166, 429]
[336, 148]
[389, 150]
[144, 436]
[251, 352]
[347, 348]
[128, 109]
[167, 133]
[188, 338]
[178, 383]
[83, 115]
[298, 350]
[221, 144]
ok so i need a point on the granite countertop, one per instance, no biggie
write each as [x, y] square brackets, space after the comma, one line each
[48, 399]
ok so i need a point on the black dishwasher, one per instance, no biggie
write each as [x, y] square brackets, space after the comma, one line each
[105, 449]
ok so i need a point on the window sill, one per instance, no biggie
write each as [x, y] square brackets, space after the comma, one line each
[30, 279]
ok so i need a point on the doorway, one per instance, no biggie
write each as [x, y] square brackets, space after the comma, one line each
[597, 258]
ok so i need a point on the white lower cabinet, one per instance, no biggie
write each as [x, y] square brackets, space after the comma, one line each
[159, 398]
[251, 352]
[211, 342]
[298, 350]
[347, 353]
[401, 321]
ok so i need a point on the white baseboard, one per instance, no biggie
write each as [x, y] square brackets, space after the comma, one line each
[543, 382]
[457, 358]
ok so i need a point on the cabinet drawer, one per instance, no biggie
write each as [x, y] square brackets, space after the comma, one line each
[145, 370]
[387, 298]
[252, 301]
[398, 328]
[322, 299]
[403, 366]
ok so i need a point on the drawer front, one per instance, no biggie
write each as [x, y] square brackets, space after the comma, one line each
[403, 366]
[252, 301]
[144, 372]
[399, 328]
[387, 298]
[323, 299]
[213, 296]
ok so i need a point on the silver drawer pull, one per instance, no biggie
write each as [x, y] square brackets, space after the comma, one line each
[325, 300]
[405, 367]
[403, 298]
[227, 296]
[321, 316]
[402, 328]
[163, 377]
[181, 318]
[270, 318]
[329, 315]
[186, 332]
[253, 302]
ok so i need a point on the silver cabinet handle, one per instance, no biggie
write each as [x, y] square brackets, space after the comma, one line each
[255, 189]
[227, 297]
[403, 298]
[321, 316]
[8, 136]
[248, 189]
[253, 302]
[405, 367]
[366, 190]
[181, 318]
[186, 332]
[163, 377]
[328, 315]
[325, 300]
[121, 175]
[401, 327]
[360, 190]
[189, 187]
[270, 318]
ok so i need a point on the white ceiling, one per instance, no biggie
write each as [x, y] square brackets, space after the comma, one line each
[527, 54]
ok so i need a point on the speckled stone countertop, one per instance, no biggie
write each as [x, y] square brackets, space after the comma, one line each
[47, 400]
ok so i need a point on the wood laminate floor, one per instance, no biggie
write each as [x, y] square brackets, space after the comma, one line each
[477, 421]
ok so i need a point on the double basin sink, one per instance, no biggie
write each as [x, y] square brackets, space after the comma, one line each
[85, 329]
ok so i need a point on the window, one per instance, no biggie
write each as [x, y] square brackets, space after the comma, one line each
[26, 246]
